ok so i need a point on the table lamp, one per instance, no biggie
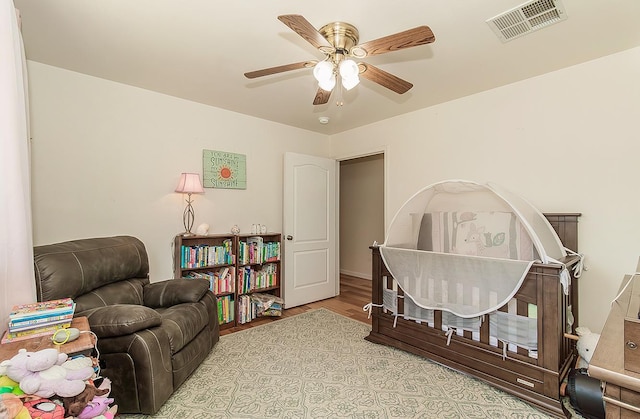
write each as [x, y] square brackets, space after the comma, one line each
[189, 183]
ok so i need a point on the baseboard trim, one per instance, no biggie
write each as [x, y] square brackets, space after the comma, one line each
[355, 274]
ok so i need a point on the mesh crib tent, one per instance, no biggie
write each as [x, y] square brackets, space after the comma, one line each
[466, 247]
[475, 268]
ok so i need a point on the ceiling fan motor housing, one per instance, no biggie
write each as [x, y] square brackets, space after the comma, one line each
[343, 36]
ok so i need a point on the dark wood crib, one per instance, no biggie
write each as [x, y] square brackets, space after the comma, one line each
[534, 379]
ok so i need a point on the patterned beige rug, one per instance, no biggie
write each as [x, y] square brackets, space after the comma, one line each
[318, 365]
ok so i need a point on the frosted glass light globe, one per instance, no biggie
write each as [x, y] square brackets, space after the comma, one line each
[323, 71]
[350, 82]
[349, 69]
[328, 84]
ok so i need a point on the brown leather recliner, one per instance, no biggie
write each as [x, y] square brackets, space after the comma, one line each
[151, 336]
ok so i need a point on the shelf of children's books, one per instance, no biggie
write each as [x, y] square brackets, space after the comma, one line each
[254, 265]
[252, 262]
[267, 289]
[205, 268]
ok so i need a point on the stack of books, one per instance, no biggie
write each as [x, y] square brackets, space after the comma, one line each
[28, 321]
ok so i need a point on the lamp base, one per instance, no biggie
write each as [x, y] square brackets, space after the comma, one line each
[187, 234]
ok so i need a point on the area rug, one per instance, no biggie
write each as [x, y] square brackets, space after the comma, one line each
[318, 365]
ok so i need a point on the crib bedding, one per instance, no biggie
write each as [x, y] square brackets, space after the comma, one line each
[498, 234]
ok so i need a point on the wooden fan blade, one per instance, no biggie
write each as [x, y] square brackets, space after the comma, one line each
[279, 69]
[322, 97]
[302, 27]
[410, 38]
[385, 79]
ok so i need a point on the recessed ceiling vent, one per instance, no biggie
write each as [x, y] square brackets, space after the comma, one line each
[527, 18]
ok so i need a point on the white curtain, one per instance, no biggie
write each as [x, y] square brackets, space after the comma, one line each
[17, 283]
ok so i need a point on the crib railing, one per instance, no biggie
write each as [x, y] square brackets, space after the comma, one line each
[541, 292]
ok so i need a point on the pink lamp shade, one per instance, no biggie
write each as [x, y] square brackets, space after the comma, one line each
[190, 183]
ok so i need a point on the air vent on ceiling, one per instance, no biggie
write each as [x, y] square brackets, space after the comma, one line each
[527, 18]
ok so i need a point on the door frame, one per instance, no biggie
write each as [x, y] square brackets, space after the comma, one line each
[351, 156]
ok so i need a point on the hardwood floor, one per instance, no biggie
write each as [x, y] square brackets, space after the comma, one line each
[354, 294]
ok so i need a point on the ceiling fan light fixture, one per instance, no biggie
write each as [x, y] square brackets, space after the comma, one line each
[350, 82]
[323, 71]
[349, 69]
[339, 40]
[328, 84]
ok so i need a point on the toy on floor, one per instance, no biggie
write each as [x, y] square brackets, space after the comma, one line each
[7, 385]
[76, 404]
[109, 414]
[43, 373]
[44, 409]
[11, 407]
[96, 407]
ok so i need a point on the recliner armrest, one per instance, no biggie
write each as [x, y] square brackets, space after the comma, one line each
[174, 291]
[121, 319]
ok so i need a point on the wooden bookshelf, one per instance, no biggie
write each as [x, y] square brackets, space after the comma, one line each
[212, 258]
[258, 271]
[250, 264]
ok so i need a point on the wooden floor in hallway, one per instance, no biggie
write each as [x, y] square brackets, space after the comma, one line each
[354, 294]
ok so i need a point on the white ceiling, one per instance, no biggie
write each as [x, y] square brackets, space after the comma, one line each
[199, 49]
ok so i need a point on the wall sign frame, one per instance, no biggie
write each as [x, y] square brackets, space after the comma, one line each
[224, 170]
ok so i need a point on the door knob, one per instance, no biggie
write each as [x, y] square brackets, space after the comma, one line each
[289, 237]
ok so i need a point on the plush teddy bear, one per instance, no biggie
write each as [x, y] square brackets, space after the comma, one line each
[586, 345]
[41, 373]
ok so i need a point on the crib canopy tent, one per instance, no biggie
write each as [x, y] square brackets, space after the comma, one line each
[466, 247]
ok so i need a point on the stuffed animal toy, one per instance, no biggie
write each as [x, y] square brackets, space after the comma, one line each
[7, 385]
[96, 407]
[76, 404]
[586, 345]
[44, 409]
[11, 407]
[41, 373]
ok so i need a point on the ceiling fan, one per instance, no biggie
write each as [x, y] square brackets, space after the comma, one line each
[338, 41]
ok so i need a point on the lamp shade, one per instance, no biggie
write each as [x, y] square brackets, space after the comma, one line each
[189, 183]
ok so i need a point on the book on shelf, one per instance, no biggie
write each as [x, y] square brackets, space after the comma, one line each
[33, 333]
[51, 308]
[256, 251]
[226, 309]
[220, 281]
[38, 319]
[27, 327]
[203, 255]
[250, 279]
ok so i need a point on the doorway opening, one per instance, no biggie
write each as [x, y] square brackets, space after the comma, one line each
[361, 213]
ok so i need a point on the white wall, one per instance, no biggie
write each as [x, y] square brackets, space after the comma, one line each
[361, 213]
[107, 158]
[567, 141]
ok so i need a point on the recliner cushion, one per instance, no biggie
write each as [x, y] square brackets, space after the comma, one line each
[121, 319]
[73, 268]
[183, 322]
[174, 291]
[128, 291]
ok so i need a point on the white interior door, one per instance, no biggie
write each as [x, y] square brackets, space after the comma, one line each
[309, 229]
